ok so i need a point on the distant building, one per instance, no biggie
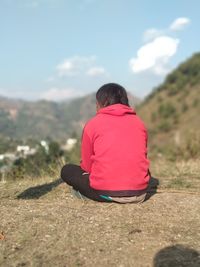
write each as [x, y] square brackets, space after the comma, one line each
[10, 156]
[23, 149]
[26, 150]
[30, 152]
[70, 143]
[45, 145]
[2, 156]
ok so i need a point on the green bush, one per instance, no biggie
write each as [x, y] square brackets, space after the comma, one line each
[195, 102]
[164, 126]
[184, 107]
[41, 163]
[166, 110]
[172, 90]
[73, 156]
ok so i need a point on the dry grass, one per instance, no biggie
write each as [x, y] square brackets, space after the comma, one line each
[43, 225]
[178, 175]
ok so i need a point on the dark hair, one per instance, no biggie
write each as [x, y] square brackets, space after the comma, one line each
[110, 94]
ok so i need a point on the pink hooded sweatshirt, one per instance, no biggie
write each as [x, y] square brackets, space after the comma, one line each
[114, 152]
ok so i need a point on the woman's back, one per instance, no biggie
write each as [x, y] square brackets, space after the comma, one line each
[114, 149]
[114, 164]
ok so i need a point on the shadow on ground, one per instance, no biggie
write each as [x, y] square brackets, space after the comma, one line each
[177, 256]
[152, 187]
[38, 191]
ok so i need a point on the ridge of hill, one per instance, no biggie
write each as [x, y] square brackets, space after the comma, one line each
[171, 111]
[20, 119]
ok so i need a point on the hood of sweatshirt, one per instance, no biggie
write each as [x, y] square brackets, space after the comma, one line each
[117, 110]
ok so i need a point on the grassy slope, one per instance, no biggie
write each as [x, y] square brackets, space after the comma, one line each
[46, 226]
[177, 126]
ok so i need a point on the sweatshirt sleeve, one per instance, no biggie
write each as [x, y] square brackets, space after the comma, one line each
[86, 152]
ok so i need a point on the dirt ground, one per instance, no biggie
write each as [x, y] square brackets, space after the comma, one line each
[42, 224]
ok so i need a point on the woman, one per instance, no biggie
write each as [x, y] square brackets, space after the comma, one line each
[114, 164]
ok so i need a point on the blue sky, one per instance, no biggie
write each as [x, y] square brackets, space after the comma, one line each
[58, 49]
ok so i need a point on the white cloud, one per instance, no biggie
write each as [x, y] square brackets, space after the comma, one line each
[74, 65]
[155, 55]
[96, 71]
[159, 48]
[80, 65]
[151, 33]
[179, 24]
[58, 94]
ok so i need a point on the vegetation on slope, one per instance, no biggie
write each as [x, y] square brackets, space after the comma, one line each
[45, 119]
[171, 112]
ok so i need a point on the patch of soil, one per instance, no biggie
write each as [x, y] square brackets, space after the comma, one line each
[60, 230]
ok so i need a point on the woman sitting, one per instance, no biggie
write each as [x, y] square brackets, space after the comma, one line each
[114, 164]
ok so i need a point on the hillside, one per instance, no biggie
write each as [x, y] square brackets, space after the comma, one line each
[171, 111]
[42, 119]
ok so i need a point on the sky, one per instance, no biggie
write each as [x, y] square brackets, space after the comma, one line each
[61, 49]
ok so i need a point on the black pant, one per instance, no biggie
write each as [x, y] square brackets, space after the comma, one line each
[74, 176]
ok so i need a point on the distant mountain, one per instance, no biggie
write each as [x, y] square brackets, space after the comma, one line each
[171, 111]
[21, 119]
